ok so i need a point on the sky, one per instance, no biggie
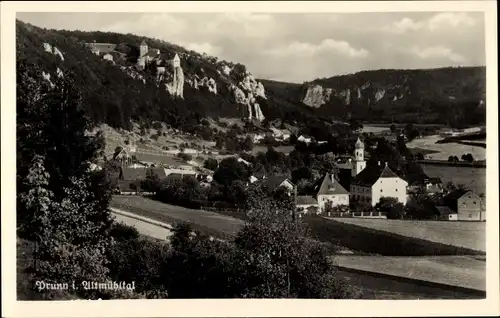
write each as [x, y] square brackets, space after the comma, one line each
[298, 47]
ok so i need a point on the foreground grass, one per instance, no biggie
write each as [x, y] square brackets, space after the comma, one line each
[376, 241]
[470, 235]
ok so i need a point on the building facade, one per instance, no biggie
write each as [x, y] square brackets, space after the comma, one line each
[377, 182]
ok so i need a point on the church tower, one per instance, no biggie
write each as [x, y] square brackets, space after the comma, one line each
[359, 162]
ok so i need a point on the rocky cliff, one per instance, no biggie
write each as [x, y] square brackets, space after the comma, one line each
[434, 96]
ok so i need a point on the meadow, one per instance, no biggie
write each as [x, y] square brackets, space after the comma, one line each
[470, 235]
[473, 178]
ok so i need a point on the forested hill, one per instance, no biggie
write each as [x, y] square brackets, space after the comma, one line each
[116, 92]
[453, 95]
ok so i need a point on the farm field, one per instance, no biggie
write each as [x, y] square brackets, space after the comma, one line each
[473, 178]
[375, 129]
[262, 148]
[471, 235]
[443, 151]
[403, 276]
[212, 223]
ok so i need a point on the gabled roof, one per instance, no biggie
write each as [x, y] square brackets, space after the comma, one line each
[444, 210]
[159, 159]
[327, 185]
[260, 172]
[371, 174]
[273, 182]
[306, 200]
[388, 173]
[132, 174]
[143, 43]
[457, 194]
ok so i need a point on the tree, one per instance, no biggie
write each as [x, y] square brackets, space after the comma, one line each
[467, 157]
[62, 205]
[421, 206]
[152, 183]
[391, 206]
[247, 144]
[230, 170]
[393, 128]
[211, 164]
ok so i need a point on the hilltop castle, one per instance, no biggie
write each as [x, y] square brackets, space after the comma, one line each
[150, 55]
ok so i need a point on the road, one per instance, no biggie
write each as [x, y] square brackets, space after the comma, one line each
[145, 226]
[379, 276]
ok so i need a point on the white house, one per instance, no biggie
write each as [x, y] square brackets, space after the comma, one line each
[108, 57]
[327, 189]
[305, 139]
[376, 182]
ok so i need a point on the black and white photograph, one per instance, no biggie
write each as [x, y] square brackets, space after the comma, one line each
[264, 153]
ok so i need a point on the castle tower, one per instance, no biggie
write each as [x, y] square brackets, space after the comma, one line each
[143, 50]
[176, 61]
[359, 162]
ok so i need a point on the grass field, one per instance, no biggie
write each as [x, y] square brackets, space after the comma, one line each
[374, 129]
[217, 225]
[472, 178]
[262, 148]
[471, 235]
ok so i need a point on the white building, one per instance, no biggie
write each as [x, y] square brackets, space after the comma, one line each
[376, 182]
[327, 189]
[305, 139]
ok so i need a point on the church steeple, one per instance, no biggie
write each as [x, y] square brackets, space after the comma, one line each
[359, 162]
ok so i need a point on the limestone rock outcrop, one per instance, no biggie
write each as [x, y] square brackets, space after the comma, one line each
[206, 82]
[176, 86]
[379, 94]
[249, 84]
[317, 96]
[53, 50]
[253, 108]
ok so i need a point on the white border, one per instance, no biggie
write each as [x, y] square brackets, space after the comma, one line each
[236, 308]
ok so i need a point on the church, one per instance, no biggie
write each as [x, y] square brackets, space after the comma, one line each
[369, 184]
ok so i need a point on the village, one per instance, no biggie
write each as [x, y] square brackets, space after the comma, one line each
[331, 194]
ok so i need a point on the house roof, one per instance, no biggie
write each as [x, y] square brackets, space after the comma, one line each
[132, 174]
[260, 172]
[444, 210]
[124, 185]
[457, 194]
[157, 158]
[152, 53]
[371, 174]
[273, 182]
[435, 180]
[143, 43]
[306, 200]
[328, 185]
[103, 47]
